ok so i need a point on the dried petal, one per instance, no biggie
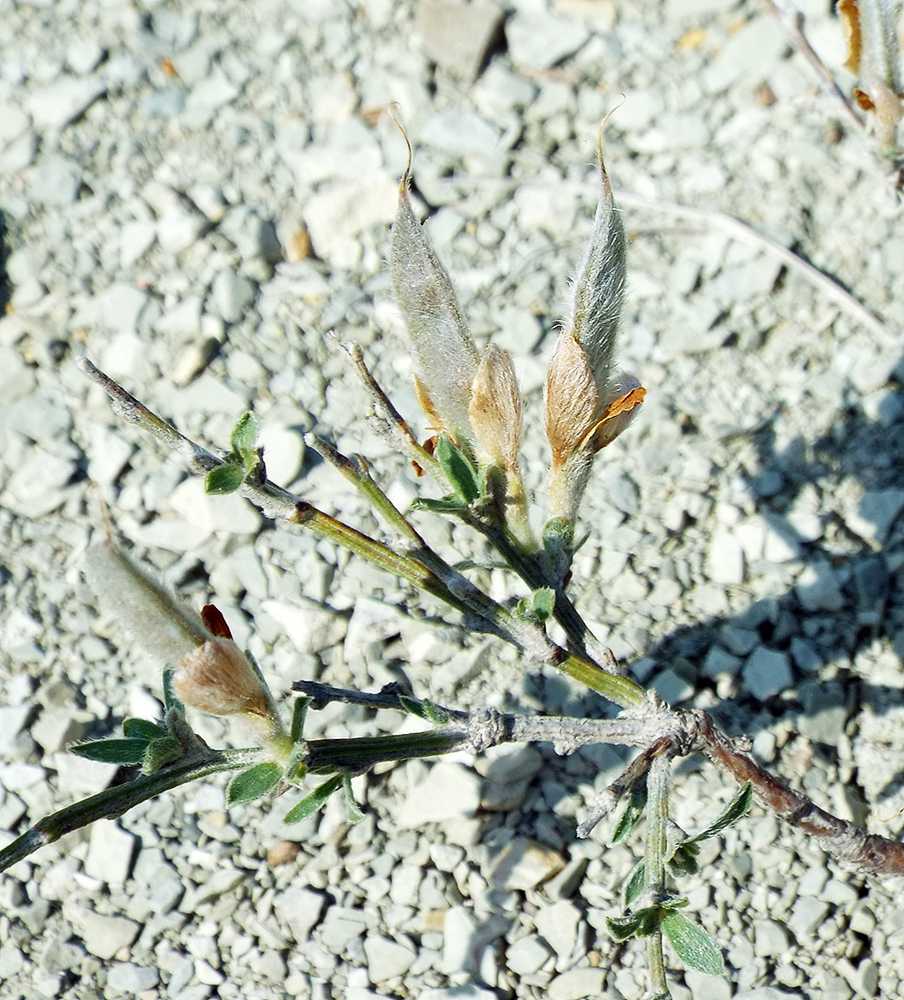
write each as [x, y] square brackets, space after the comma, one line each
[849, 13]
[625, 395]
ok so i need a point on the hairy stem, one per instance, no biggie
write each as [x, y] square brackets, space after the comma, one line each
[113, 802]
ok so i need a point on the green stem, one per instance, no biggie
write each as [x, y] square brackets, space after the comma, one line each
[357, 473]
[454, 589]
[113, 802]
[362, 753]
[405, 567]
[530, 571]
[658, 982]
[654, 858]
[621, 690]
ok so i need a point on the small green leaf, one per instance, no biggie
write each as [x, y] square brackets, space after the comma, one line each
[299, 714]
[458, 469]
[622, 928]
[634, 807]
[543, 602]
[115, 751]
[314, 801]
[224, 479]
[142, 729]
[692, 944]
[354, 812]
[296, 769]
[636, 882]
[640, 924]
[413, 706]
[684, 860]
[160, 753]
[674, 902]
[735, 809]
[253, 782]
[169, 695]
[438, 716]
[244, 435]
[446, 505]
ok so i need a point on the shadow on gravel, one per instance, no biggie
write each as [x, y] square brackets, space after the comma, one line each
[852, 596]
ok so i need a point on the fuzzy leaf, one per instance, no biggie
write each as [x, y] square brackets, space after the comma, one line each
[354, 812]
[314, 801]
[692, 944]
[299, 713]
[253, 782]
[622, 928]
[734, 811]
[458, 469]
[142, 729]
[413, 706]
[543, 602]
[169, 695]
[224, 479]
[634, 807]
[447, 505]
[684, 860]
[643, 923]
[161, 752]
[635, 884]
[435, 714]
[244, 435]
[115, 751]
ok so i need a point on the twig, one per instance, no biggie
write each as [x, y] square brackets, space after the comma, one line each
[747, 234]
[115, 801]
[480, 611]
[850, 846]
[645, 724]
[791, 21]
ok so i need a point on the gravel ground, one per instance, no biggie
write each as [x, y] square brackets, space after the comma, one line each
[193, 194]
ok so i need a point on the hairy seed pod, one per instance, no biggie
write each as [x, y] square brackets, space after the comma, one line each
[158, 624]
[446, 356]
[599, 290]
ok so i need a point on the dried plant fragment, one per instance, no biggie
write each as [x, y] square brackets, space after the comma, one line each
[870, 28]
[600, 288]
[495, 414]
[495, 409]
[218, 679]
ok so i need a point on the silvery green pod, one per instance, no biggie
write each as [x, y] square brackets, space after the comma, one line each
[447, 358]
[599, 290]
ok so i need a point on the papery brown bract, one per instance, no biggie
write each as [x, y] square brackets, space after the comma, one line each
[217, 678]
[495, 409]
